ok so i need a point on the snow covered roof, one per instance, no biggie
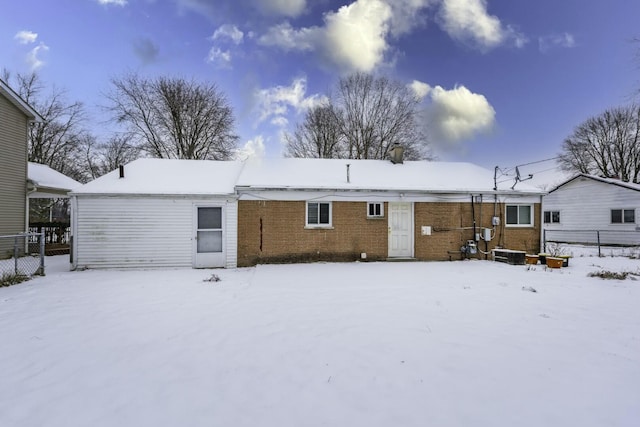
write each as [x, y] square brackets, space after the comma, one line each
[168, 176]
[331, 174]
[20, 103]
[612, 181]
[48, 182]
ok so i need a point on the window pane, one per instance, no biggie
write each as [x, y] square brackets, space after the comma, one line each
[372, 209]
[209, 241]
[616, 216]
[512, 214]
[525, 215]
[324, 213]
[629, 215]
[547, 217]
[312, 213]
[209, 218]
[555, 216]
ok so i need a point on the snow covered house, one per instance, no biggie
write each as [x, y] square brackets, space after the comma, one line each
[157, 213]
[227, 214]
[327, 209]
[588, 208]
[15, 118]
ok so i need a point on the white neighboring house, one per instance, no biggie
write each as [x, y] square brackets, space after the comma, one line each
[46, 183]
[158, 213]
[576, 210]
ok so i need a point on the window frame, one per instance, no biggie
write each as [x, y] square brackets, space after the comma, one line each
[520, 205]
[551, 217]
[318, 225]
[622, 216]
[381, 215]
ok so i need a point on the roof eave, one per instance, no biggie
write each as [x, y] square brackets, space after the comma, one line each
[20, 103]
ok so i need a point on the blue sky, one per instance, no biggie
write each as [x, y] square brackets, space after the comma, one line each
[503, 82]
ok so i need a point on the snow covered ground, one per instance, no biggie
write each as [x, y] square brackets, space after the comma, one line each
[364, 344]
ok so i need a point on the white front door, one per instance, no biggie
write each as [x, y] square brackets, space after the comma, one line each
[209, 237]
[400, 230]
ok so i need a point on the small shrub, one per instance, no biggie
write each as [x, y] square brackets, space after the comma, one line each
[8, 279]
[613, 275]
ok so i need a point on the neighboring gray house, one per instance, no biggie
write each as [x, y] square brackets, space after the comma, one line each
[586, 207]
[15, 118]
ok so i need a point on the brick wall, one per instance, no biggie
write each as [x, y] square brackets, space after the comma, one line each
[274, 232]
[452, 226]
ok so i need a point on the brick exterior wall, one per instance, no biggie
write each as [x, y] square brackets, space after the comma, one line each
[274, 232]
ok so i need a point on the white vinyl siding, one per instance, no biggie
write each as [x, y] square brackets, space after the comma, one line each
[586, 204]
[117, 232]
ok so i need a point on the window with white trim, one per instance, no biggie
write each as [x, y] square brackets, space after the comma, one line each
[623, 216]
[519, 215]
[551, 217]
[375, 210]
[318, 214]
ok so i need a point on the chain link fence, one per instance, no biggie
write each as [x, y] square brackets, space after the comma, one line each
[21, 255]
[599, 238]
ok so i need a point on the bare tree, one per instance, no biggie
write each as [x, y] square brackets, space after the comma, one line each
[371, 114]
[102, 158]
[318, 136]
[173, 117]
[57, 140]
[606, 145]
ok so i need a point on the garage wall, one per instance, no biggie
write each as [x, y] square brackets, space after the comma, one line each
[121, 232]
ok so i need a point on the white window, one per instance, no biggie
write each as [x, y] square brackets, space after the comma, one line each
[519, 215]
[375, 210]
[318, 214]
[623, 216]
[551, 217]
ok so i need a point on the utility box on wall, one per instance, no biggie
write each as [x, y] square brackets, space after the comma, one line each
[426, 230]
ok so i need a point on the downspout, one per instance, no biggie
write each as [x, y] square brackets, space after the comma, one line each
[74, 228]
[473, 215]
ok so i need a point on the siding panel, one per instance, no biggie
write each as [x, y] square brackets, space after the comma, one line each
[13, 169]
[120, 232]
[585, 204]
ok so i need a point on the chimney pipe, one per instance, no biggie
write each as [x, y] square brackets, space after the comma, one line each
[121, 168]
[396, 153]
[348, 177]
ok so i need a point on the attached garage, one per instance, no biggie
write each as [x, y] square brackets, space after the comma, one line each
[158, 213]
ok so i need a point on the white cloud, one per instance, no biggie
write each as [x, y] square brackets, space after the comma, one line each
[114, 2]
[355, 35]
[26, 37]
[230, 32]
[564, 40]
[220, 58]
[469, 21]
[458, 114]
[290, 8]
[286, 37]
[419, 89]
[407, 15]
[254, 148]
[34, 56]
[353, 38]
[275, 103]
